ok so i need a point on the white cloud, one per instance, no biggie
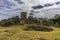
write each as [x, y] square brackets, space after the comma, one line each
[27, 7]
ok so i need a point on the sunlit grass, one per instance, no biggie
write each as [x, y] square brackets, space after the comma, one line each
[17, 33]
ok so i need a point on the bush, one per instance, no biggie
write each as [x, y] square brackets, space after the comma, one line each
[4, 23]
[38, 28]
[10, 21]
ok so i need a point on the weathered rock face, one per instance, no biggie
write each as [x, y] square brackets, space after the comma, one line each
[23, 15]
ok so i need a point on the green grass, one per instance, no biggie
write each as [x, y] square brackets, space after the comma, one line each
[17, 33]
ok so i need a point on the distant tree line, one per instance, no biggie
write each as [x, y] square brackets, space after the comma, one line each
[10, 21]
[32, 20]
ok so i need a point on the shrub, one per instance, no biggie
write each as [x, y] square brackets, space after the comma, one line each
[4, 23]
[38, 28]
[10, 21]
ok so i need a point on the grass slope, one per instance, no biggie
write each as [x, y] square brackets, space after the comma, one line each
[17, 33]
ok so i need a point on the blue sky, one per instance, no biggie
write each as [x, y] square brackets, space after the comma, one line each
[10, 8]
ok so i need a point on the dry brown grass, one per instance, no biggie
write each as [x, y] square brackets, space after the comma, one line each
[17, 33]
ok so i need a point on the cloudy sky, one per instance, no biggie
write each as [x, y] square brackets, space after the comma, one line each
[41, 8]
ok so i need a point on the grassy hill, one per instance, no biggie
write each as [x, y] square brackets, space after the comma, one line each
[17, 33]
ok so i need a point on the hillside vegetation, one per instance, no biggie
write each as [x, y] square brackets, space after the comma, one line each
[30, 28]
[17, 33]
